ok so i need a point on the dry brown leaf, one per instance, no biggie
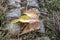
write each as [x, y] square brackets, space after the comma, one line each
[30, 16]
[33, 21]
[31, 13]
[31, 27]
[25, 19]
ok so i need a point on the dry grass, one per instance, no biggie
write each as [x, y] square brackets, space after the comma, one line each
[52, 26]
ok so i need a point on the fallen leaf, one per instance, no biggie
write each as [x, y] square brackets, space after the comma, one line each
[25, 19]
[31, 27]
[31, 18]
[31, 13]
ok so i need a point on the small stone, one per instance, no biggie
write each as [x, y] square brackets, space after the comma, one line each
[13, 28]
[32, 3]
[43, 38]
[42, 29]
[14, 13]
[14, 3]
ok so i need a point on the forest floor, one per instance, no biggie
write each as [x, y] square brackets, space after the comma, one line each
[50, 14]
